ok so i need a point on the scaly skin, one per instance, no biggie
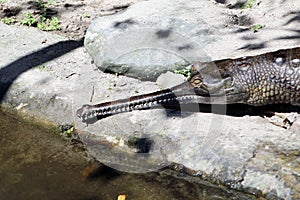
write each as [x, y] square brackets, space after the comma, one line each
[269, 78]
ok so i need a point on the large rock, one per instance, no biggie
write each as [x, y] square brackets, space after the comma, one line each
[154, 36]
[143, 41]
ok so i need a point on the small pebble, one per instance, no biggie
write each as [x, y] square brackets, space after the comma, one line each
[122, 197]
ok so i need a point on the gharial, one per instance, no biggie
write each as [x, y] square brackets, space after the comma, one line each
[268, 78]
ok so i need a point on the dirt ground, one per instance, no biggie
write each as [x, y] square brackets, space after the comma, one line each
[74, 16]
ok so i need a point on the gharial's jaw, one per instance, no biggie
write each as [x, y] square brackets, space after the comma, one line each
[182, 93]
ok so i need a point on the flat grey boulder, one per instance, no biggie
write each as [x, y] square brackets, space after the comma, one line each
[144, 42]
[152, 37]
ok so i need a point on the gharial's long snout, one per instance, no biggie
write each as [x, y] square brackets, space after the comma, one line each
[200, 88]
[182, 93]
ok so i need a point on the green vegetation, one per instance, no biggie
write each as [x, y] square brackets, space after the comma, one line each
[29, 20]
[37, 20]
[185, 72]
[3, 1]
[40, 4]
[256, 27]
[248, 4]
[85, 15]
[117, 69]
[46, 24]
[43, 4]
[133, 141]
[51, 2]
[41, 22]
[8, 20]
[67, 130]
[43, 68]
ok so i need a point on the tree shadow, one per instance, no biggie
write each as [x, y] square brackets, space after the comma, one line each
[10, 12]
[237, 5]
[251, 38]
[295, 36]
[38, 7]
[10, 72]
[42, 8]
[295, 18]
[221, 1]
[124, 24]
[253, 46]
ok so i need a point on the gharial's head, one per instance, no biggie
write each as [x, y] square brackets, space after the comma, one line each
[208, 80]
[208, 84]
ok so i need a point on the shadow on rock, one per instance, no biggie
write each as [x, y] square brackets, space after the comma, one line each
[12, 71]
[104, 172]
[234, 110]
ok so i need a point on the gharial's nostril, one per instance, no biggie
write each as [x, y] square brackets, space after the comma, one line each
[79, 112]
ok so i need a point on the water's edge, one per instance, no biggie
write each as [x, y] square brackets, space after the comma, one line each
[37, 161]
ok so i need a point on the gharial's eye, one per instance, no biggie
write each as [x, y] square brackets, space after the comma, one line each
[197, 82]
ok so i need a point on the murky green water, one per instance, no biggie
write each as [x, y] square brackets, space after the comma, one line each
[37, 163]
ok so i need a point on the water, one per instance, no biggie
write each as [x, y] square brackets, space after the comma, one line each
[37, 163]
